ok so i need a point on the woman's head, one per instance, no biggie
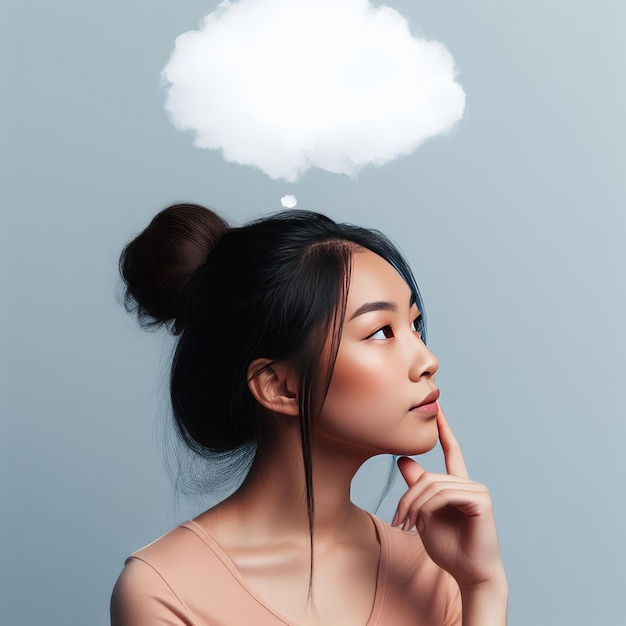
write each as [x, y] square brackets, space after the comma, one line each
[272, 291]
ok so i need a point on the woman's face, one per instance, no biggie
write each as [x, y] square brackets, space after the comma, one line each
[383, 371]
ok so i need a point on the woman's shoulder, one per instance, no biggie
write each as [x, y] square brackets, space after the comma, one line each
[168, 577]
[400, 544]
[405, 553]
[187, 552]
[413, 580]
[173, 546]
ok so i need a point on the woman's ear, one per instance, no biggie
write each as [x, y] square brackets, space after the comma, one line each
[274, 386]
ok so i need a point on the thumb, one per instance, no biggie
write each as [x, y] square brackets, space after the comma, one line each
[411, 470]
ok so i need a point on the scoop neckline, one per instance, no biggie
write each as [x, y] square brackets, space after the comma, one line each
[381, 573]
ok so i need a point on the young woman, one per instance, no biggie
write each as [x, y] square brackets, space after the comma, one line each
[303, 340]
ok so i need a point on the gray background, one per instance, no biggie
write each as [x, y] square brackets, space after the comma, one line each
[514, 225]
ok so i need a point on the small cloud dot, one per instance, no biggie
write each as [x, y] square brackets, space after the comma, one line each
[288, 201]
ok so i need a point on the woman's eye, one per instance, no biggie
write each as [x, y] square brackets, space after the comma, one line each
[416, 325]
[384, 333]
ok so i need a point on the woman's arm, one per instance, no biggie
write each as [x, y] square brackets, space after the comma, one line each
[454, 517]
[485, 605]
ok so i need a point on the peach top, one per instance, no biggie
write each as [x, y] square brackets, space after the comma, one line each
[186, 579]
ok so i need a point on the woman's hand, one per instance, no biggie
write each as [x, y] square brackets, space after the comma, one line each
[453, 516]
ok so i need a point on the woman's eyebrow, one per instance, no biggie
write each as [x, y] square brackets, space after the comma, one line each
[374, 306]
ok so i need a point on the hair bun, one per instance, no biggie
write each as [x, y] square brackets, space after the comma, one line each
[158, 264]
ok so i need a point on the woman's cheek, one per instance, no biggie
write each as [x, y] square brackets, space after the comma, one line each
[352, 385]
[361, 381]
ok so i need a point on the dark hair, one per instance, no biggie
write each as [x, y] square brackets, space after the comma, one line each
[275, 289]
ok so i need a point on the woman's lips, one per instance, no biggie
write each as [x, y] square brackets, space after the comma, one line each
[428, 406]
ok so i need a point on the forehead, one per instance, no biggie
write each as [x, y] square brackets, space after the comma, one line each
[374, 279]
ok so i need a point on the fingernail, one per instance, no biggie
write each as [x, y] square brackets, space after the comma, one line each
[420, 524]
[395, 520]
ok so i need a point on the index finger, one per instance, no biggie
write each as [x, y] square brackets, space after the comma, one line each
[455, 463]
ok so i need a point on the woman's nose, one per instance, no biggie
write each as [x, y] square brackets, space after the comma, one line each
[423, 363]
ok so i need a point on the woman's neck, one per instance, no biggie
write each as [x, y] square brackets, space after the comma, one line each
[272, 498]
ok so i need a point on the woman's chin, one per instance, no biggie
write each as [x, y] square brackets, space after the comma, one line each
[425, 444]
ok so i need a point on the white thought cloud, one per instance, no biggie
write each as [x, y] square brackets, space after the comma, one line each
[286, 85]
